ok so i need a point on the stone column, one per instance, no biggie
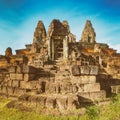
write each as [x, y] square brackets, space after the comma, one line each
[65, 48]
[53, 50]
[49, 49]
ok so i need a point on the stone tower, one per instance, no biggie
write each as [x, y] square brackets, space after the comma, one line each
[40, 33]
[57, 38]
[8, 52]
[66, 25]
[88, 34]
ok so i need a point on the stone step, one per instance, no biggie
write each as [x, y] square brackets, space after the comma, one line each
[60, 102]
[103, 102]
[44, 74]
[59, 73]
[83, 79]
[94, 87]
[97, 95]
[115, 89]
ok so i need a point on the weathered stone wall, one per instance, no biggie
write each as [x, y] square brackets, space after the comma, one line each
[106, 81]
[85, 70]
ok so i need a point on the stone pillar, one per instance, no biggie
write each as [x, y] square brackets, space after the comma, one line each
[49, 49]
[65, 48]
[53, 50]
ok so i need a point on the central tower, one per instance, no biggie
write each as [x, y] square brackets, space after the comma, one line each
[57, 40]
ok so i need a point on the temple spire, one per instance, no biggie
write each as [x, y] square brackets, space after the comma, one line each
[40, 32]
[88, 34]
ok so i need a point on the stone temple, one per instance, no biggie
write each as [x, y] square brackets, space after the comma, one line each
[56, 71]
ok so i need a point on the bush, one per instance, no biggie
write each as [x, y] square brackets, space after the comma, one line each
[93, 112]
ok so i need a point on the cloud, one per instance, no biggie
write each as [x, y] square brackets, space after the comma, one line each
[116, 47]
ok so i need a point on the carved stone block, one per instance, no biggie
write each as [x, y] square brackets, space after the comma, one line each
[12, 69]
[28, 77]
[51, 102]
[15, 83]
[29, 69]
[19, 69]
[94, 70]
[62, 102]
[85, 70]
[16, 76]
[75, 70]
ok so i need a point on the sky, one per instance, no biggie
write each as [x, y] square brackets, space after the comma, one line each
[18, 19]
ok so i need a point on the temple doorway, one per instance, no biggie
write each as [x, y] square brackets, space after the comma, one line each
[90, 39]
[58, 49]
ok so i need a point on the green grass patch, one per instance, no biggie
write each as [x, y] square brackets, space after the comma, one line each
[106, 112]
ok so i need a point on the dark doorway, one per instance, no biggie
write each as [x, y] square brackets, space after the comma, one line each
[90, 39]
[58, 49]
[43, 84]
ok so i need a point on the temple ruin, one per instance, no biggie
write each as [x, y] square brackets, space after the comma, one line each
[56, 71]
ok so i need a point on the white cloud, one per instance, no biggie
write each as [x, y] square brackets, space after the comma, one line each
[116, 47]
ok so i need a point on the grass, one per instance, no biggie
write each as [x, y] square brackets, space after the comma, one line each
[106, 112]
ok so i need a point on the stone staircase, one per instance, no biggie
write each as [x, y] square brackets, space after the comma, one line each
[54, 83]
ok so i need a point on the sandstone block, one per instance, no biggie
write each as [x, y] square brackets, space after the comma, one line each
[87, 79]
[91, 87]
[29, 69]
[15, 83]
[28, 77]
[83, 79]
[10, 91]
[75, 70]
[29, 84]
[12, 76]
[78, 62]
[51, 102]
[73, 102]
[52, 88]
[116, 76]
[94, 70]
[12, 69]
[61, 102]
[19, 91]
[9, 83]
[85, 70]
[115, 89]
[23, 84]
[16, 76]
[4, 89]
[19, 76]
[1, 75]
[19, 69]
[97, 95]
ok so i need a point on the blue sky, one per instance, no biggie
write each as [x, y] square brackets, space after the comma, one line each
[18, 19]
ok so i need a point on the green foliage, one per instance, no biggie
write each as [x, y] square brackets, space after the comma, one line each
[93, 112]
